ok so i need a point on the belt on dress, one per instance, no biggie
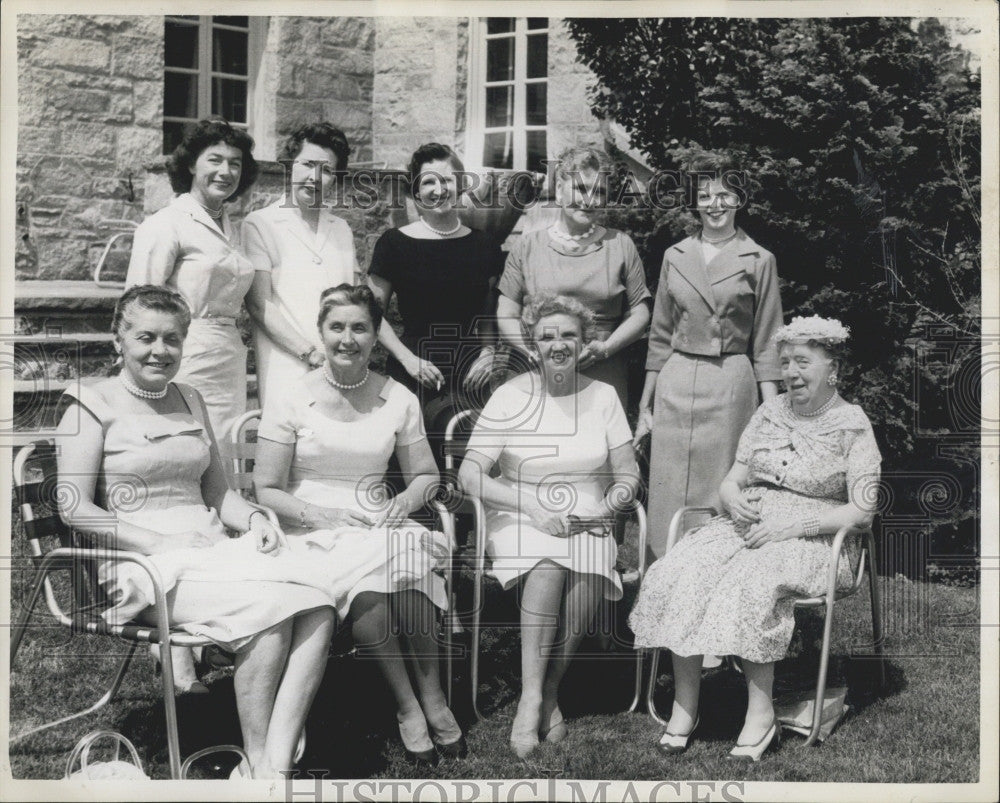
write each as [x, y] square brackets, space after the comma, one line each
[214, 320]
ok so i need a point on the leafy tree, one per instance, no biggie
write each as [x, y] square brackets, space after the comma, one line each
[861, 138]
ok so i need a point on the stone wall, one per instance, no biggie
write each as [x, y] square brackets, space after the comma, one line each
[570, 121]
[90, 99]
[414, 99]
[316, 68]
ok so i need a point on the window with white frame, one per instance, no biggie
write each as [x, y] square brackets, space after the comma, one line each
[209, 66]
[508, 84]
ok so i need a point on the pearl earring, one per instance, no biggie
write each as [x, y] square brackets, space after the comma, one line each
[831, 380]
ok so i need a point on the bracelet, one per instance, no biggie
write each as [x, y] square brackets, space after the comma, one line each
[305, 355]
[253, 513]
[810, 526]
[302, 515]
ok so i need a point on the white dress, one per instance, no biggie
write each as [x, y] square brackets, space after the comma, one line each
[302, 265]
[342, 464]
[559, 447]
[181, 248]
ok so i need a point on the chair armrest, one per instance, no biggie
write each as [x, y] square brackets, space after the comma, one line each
[81, 553]
[678, 521]
[835, 549]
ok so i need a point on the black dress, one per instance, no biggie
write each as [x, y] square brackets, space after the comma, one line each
[444, 290]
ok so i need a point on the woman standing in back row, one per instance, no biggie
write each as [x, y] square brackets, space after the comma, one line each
[717, 307]
[190, 247]
[298, 248]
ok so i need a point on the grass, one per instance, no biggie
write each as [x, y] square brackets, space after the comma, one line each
[922, 728]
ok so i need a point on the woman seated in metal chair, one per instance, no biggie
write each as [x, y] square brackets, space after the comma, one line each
[139, 471]
[566, 463]
[322, 452]
[807, 465]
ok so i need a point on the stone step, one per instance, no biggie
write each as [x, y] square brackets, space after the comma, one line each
[63, 307]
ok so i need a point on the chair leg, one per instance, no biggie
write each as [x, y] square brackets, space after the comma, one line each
[22, 623]
[654, 666]
[824, 661]
[637, 697]
[170, 706]
[477, 602]
[105, 698]
[875, 593]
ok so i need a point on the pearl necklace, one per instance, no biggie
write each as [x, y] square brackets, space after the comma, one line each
[824, 407]
[135, 390]
[574, 239]
[214, 214]
[344, 385]
[719, 241]
[442, 232]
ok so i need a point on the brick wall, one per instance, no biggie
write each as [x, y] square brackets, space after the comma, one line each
[90, 104]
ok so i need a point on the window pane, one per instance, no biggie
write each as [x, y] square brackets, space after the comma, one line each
[229, 51]
[500, 59]
[229, 98]
[498, 150]
[536, 151]
[180, 95]
[173, 133]
[242, 22]
[535, 96]
[500, 25]
[537, 22]
[180, 45]
[499, 106]
[538, 55]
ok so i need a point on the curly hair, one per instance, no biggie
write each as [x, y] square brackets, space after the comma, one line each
[323, 134]
[575, 159]
[149, 297]
[202, 135]
[349, 295]
[546, 304]
[429, 152]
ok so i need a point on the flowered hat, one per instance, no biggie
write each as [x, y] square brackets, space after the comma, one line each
[828, 331]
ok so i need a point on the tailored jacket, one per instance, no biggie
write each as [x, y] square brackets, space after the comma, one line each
[729, 306]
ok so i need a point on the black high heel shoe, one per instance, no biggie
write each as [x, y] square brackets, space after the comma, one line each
[414, 736]
[445, 741]
[673, 744]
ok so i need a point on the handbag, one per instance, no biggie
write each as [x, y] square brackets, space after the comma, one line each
[114, 770]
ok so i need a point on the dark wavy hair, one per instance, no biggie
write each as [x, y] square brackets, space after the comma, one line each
[349, 295]
[202, 135]
[429, 152]
[323, 134]
[719, 164]
[149, 297]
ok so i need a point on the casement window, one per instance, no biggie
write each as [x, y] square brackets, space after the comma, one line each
[508, 84]
[209, 68]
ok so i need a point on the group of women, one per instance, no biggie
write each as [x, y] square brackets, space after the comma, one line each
[551, 455]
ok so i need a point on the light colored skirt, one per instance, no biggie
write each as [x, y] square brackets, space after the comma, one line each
[516, 546]
[215, 364]
[700, 409]
[713, 595]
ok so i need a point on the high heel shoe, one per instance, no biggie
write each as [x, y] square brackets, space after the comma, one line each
[753, 752]
[417, 744]
[672, 744]
[556, 731]
[300, 748]
[449, 741]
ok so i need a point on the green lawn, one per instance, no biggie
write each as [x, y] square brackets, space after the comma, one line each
[922, 728]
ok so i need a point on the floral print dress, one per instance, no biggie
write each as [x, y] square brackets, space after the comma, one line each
[711, 594]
